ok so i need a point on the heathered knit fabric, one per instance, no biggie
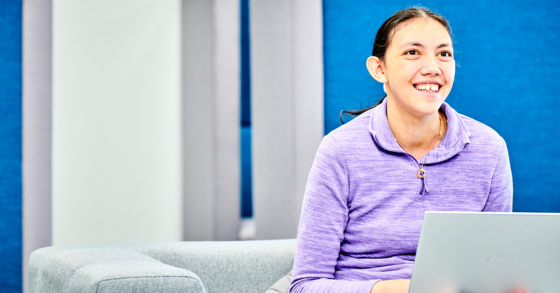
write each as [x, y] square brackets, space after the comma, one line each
[364, 204]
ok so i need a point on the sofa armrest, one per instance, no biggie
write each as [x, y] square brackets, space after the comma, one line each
[105, 268]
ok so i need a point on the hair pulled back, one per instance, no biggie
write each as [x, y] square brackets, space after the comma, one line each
[385, 35]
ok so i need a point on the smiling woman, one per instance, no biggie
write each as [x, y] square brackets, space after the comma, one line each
[374, 177]
[417, 71]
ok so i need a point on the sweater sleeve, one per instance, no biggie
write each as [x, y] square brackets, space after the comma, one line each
[323, 221]
[500, 198]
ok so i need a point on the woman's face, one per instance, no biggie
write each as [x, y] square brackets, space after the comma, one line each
[419, 66]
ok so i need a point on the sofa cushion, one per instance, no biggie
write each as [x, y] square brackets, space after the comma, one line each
[223, 266]
[282, 285]
[229, 266]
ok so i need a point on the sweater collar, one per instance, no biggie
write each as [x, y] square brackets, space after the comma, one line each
[454, 141]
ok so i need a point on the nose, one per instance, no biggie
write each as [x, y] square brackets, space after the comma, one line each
[431, 67]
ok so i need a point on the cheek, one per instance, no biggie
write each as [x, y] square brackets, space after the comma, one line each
[450, 73]
[404, 74]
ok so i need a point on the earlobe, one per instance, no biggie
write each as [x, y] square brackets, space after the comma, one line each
[375, 68]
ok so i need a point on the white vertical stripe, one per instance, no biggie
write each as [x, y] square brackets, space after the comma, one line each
[116, 121]
[287, 108]
[211, 119]
[37, 81]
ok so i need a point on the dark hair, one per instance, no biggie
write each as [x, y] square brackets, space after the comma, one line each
[385, 35]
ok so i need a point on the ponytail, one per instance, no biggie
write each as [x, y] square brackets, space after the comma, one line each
[358, 112]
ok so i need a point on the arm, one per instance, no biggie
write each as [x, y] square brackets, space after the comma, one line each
[391, 286]
[323, 221]
[500, 197]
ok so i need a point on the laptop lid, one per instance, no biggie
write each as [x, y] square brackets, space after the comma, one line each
[468, 252]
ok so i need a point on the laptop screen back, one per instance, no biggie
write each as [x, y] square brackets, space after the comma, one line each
[462, 252]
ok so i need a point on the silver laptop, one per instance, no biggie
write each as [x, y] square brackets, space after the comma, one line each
[463, 252]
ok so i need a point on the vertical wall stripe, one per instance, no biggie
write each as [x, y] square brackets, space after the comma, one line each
[211, 166]
[37, 92]
[272, 118]
[308, 90]
[287, 107]
[198, 106]
[226, 106]
[116, 121]
[10, 146]
[246, 162]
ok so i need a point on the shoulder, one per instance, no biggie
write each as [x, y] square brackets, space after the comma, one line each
[351, 132]
[481, 136]
[347, 141]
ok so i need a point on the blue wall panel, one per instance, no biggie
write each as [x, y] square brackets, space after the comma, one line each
[10, 146]
[246, 150]
[507, 77]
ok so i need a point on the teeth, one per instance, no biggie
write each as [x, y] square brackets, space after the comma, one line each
[428, 87]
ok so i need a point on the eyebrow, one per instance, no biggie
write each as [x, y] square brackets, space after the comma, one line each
[416, 44]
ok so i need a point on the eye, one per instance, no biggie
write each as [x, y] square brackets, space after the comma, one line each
[445, 54]
[411, 52]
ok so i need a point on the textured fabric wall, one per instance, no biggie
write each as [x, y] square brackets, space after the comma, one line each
[10, 146]
[506, 77]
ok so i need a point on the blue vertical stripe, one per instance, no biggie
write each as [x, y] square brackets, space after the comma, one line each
[246, 170]
[507, 77]
[245, 65]
[10, 146]
[246, 161]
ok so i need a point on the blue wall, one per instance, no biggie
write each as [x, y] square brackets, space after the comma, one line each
[507, 77]
[10, 146]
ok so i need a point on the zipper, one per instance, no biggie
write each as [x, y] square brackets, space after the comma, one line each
[424, 184]
[423, 188]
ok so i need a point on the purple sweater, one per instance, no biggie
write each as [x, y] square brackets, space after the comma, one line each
[363, 205]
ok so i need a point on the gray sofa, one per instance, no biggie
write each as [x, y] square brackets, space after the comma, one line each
[228, 266]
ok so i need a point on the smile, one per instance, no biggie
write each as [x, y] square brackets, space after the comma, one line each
[428, 87]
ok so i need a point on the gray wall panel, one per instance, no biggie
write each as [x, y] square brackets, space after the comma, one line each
[211, 101]
[198, 122]
[287, 107]
[227, 71]
[272, 119]
[308, 90]
[37, 93]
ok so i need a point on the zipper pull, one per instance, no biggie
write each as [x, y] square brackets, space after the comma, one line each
[422, 175]
[425, 185]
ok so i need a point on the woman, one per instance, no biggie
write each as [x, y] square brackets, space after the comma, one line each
[374, 177]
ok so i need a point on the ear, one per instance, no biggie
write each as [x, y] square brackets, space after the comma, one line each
[376, 69]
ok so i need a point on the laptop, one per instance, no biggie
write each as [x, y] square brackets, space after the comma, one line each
[468, 252]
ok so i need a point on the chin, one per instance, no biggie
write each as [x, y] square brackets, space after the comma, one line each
[426, 108]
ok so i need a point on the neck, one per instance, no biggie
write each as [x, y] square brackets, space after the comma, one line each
[416, 134]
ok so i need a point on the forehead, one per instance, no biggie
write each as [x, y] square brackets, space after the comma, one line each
[426, 31]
